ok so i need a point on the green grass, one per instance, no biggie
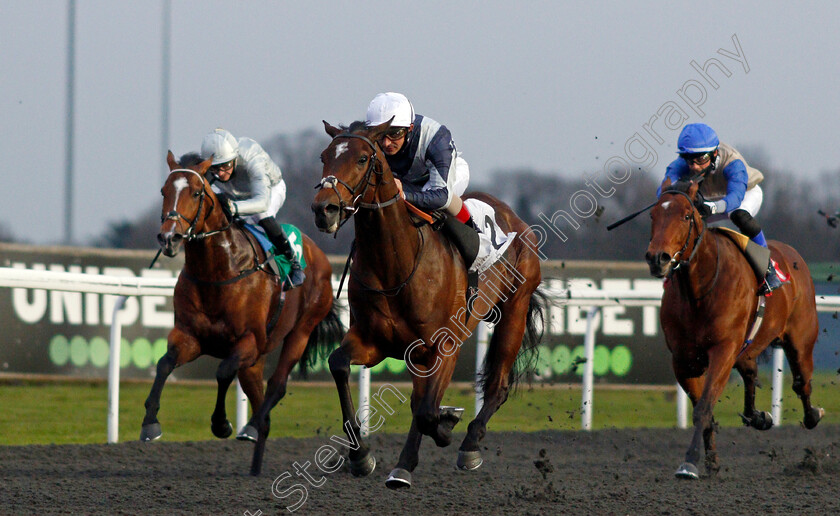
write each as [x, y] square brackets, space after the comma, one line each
[74, 412]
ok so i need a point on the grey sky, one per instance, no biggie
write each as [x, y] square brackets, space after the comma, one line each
[554, 86]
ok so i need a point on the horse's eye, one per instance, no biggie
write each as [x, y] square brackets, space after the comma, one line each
[363, 159]
[687, 216]
[161, 192]
[196, 194]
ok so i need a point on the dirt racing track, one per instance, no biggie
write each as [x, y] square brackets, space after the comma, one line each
[788, 470]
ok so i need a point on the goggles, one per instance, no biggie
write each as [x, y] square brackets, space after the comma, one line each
[222, 166]
[698, 159]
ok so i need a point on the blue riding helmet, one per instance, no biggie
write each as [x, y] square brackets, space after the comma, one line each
[696, 139]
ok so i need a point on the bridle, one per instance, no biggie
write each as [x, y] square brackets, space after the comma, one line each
[698, 239]
[356, 204]
[177, 216]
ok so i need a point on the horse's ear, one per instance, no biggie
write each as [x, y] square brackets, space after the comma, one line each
[666, 185]
[204, 165]
[332, 131]
[692, 190]
[170, 160]
[376, 132]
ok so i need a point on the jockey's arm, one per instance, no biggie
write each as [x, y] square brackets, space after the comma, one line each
[736, 184]
[260, 189]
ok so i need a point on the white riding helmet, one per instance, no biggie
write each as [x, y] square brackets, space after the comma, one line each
[387, 105]
[221, 145]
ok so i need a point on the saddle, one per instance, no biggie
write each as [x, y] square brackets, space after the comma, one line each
[758, 257]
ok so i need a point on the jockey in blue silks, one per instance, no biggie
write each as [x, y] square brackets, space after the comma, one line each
[729, 185]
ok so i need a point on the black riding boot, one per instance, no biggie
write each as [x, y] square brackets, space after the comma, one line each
[281, 243]
[464, 237]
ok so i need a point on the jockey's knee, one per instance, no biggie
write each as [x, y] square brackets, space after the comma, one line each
[745, 222]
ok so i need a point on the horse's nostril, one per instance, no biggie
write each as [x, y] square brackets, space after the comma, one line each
[331, 209]
[664, 258]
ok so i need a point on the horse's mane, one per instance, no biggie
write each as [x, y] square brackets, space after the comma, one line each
[679, 186]
[356, 126]
[190, 159]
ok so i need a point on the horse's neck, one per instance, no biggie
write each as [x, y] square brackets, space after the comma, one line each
[217, 255]
[703, 268]
[387, 243]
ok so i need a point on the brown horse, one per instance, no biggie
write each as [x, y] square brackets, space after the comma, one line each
[708, 309]
[227, 305]
[407, 293]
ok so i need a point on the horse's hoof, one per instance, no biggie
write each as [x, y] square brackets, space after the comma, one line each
[451, 413]
[248, 433]
[760, 420]
[813, 417]
[364, 466]
[687, 470]
[222, 431]
[150, 432]
[398, 479]
[469, 460]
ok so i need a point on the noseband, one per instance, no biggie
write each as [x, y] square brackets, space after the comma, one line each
[355, 205]
[176, 215]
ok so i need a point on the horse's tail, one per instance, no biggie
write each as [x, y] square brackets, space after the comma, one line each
[526, 359]
[323, 340]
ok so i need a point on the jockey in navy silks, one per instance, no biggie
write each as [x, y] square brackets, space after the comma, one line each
[729, 186]
[428, 169]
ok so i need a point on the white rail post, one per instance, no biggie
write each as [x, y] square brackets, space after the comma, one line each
[588, 368]
[364, 401]
[114, 372]
[482, 338]
[241, 407]
[778, 375]
[682, 407]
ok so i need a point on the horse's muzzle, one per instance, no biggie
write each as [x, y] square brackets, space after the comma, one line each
[170, 243]
[327, 216]
[659, 263]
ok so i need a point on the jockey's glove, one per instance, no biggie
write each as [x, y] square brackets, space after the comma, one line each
[228, 206]
[711, 207]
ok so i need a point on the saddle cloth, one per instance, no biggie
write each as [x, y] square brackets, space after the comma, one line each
[493, 241]
[295, 239]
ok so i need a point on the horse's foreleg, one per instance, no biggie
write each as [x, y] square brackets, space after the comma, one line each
[251, 381]
[260, 424]
[243, 352]
[801, 363]
[752, 417]
[362, 462]
[182, 348]
[400, 476]
[721, 360]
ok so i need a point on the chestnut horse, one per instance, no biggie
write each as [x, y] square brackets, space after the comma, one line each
[407, 293]
[709, 306]
[227, 305]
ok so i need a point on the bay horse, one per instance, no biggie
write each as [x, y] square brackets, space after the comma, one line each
[407, 293]
[227, 305]
[709, 305]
